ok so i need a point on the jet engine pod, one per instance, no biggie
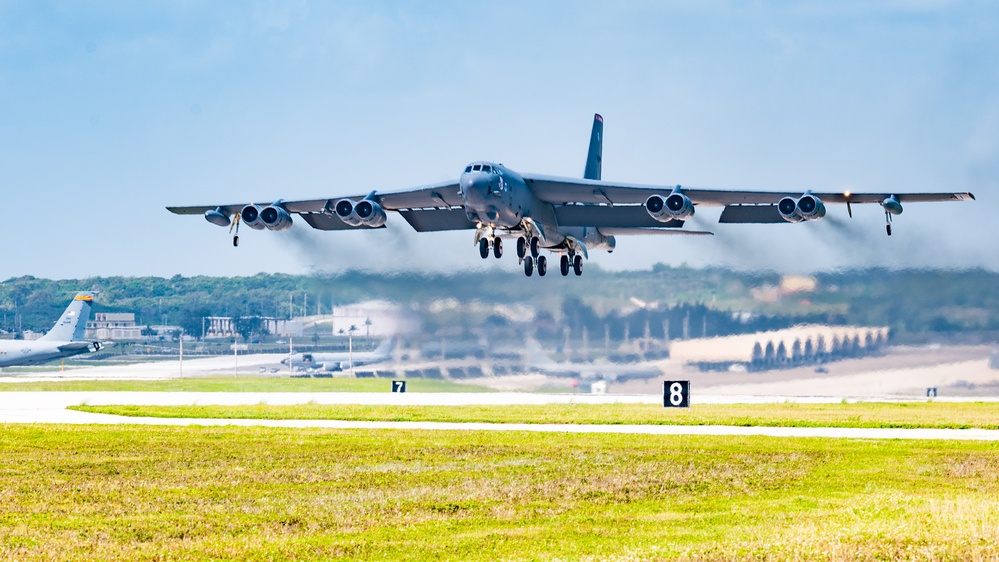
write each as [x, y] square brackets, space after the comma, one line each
[656, 206]
[251, 217]
[810, 207]
[345, 210]
[369, 213]
[788, 209]
[275, 218]
[680, 206]
[214, 216]
[676, 206]
[891, 205]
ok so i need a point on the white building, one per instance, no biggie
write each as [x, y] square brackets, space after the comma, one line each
[113, 326]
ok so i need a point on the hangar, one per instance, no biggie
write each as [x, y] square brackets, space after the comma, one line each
[791, 347]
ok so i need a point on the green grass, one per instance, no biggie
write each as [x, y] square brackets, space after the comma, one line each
[876, 414]
[157, 493]
[242, 384]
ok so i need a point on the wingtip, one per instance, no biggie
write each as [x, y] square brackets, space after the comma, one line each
[598, 117]
[972, 195]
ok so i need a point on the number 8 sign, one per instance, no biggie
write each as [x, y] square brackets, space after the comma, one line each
[676, 394]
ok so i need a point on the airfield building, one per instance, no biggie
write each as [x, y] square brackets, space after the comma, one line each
[801, 345]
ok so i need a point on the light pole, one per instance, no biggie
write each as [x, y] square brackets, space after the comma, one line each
[181, 352]
[350, 347]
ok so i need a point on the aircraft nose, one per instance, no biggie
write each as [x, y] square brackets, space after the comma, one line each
[475, 185]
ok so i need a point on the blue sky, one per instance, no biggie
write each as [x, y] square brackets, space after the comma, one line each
[110, 112]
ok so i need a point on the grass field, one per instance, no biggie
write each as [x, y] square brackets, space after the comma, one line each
[167, 493]
[241, 384]
[876, 414]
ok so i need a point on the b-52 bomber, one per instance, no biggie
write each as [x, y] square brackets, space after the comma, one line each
[565, 216]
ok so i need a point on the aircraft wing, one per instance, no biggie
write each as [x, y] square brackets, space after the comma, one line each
[562, 191]
[309, 206]
[427, 208]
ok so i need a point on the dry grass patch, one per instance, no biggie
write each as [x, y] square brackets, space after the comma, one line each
[189, 493]
[983, 415]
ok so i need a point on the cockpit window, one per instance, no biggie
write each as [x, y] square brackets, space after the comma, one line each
[487, 169]
[468, 169]
[477, 167]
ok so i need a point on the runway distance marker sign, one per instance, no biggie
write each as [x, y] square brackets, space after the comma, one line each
[676, 394]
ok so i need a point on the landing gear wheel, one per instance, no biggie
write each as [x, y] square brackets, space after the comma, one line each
[235, 241]
[498, 248]
[888, 228]
[577, 265]
[528, 266]
[542, 266]
[535, 246]
[484, 248]
[521, 247]
[563, 265]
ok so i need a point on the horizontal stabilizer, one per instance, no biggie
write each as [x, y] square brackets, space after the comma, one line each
[77, 346]
[751, 214]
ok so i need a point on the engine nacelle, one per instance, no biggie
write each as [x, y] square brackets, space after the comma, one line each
[345, 210]
[215, 216]
[250, 215]
[679, 206]
[675, 206]
[891, 205]
[369, 213]
[656, 207]
[275, 218]
[810, 207]
[788, 209]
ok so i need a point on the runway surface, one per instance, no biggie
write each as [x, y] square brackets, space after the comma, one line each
[50, 407]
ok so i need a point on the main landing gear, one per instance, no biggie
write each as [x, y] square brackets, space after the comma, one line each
[573, 262]
[523, 244]
[530, 263]
[497, 247]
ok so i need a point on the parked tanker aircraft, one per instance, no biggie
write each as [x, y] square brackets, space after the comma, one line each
[564, 216]
[65, 339]
[342, 361]
[539, 361]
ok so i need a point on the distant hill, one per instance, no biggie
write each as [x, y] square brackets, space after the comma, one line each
[908, 301]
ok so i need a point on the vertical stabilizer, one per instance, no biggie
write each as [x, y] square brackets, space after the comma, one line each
[595, 156]
[73, 322]
[386, 347]
[535, 356]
